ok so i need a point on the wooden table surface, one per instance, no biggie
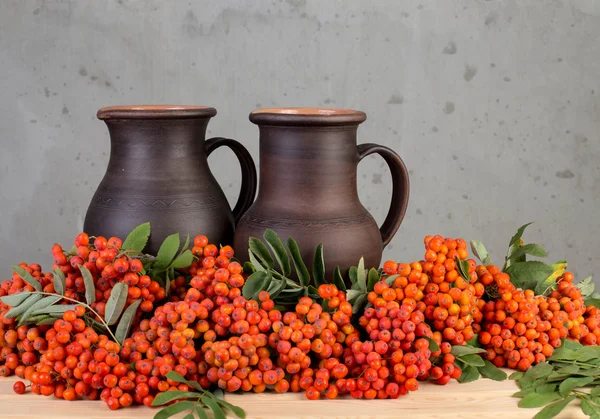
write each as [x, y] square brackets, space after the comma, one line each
[480, 399]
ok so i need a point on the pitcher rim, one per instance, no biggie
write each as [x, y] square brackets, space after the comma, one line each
[155, 112]
[307, 116]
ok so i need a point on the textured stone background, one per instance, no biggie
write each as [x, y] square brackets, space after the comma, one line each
[494, 105]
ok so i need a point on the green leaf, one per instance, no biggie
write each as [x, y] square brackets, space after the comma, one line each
[461, 350]
[22, 308]
[39, 305]
[276, 287]
[569, 370]
[373, 278]
[14, 300]
[126, 321]
[59, 281]
[527, 275]
[517, 375]
[255, 263]
[238, 411]
[480, 252]
[595, 392]
[528, 249]
[281, 255]
[319, 266]
[167, 251]
[184, 260]
[353, 274]
[201, 412]
[88, 281]
[554, 409]
[491, 371]
[541, 370]
[590, 408]
[546, 388]
[214, 407]
[473, 360]
[175, 376]
[301, 270]
[433, 345]
[572, 382]
[391, 279]
[217, 394]
[474, 342]
[116, 303]
[361, 275]
[515, 239]
[186, 244]
[258, 248]
[169, 396]
[254, 284]
[338, 279]
[586, 286]
[248, 268]
[137, 239]
[463, 268]
[56, 309]
[468, 374]
[538, 400]
[173, 409]
[45, 321]
[358, 303]
[28, 278]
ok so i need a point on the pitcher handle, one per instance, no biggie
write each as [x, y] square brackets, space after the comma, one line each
[400, 188]
[248, 189]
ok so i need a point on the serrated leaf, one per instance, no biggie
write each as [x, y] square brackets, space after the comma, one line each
[352, 295]
[254, 284]
[372, 278]
[201, 412]
[22, 308]
[56, 309]
[137, 239]
[469, 374]
[595, 392]
[276, 287]
[278, 250]
[461, 350]
[175, 376]
[586, 286]
[540, 370]
[515, 239]
[88, 281]
[15, 299]
[338, 279]
[474, 341]
[463, 268]
[186, 244]
[319, 266]
[572, 382]
[491, 371]
[214, 407]
[258, 248]
[569, 370]
[126, 321]
[433, 345]
[473, 360]
[301, 270]
[238, 411]
[46, 321]
[527, 275]
[546, 388]
[353, 274]
[173, 409]
[167, 251]
[517, 375]
[184, 260]
[59, 281]
[39, 305]
[538, 400]
[528, 249]
[480, 252]
[116, 303]
[554, 409]
[248, 268]
[26, 276]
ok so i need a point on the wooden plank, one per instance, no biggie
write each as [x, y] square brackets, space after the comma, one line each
[480, 399]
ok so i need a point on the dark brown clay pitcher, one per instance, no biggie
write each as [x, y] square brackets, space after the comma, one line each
[158, 172]
[308, 187]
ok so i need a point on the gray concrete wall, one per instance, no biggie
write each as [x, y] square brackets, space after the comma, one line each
[494, 105]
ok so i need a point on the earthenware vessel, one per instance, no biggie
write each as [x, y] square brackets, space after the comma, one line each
[158, 172]
[308, 186]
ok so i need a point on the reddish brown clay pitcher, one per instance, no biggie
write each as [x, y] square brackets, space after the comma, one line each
[308, 187]
[158, 172]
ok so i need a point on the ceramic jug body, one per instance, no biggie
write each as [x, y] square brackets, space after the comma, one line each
[158, 172]
[308, 187]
